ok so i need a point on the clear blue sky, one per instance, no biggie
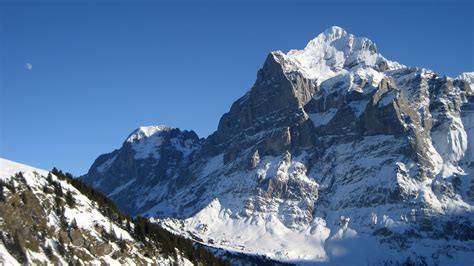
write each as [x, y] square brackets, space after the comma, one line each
[99, 70]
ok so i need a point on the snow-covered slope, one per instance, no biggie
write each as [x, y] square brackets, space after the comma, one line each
[336, 154]
[44, 219]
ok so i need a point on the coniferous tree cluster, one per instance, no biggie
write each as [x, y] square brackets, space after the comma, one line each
[150, 234]
[144, 230]
[70, 199]
[48, 251]
[14, 245]
[107, 207]
[58, 190]
[8, 185]
[2, 193]
[19, 176]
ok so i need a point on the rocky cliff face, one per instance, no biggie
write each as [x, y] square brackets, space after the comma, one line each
[333, 146]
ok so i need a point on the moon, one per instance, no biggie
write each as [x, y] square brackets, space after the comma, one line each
[29, 66]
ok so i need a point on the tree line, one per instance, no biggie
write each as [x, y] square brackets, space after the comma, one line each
[150, 234]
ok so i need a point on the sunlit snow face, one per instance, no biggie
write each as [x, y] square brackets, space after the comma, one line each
[335, 52]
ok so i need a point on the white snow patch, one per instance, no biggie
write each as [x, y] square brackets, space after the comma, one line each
[451, 141]
[120, 188]
[147, 147]
[5, 257]
[322, 118]
[146, 132]
[186, 147]
[264, 235]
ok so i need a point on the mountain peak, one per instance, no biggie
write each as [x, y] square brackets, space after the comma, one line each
[334, 52]
[335, 30]
[333, 33]
[146, 132]
[340, 39]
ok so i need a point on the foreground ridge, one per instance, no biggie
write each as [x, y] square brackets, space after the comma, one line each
[54, 218]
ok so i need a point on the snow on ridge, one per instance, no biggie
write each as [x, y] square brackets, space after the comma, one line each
[469, 77]
[145, 140]
[120, 188]
[146, 132]
[9, 168]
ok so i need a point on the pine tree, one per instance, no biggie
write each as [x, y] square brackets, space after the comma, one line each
[139, 230]
[128, 226]
[63, 220]
[113, 235]
[18, 248]
[122, 245]
[23, 197]
[58, 190]
[49, 178]
[58, 203]
[61, 247]
[12, 186]
[73, 224]
[48, 251]
[20, 177]
[70, 201]
[2, 193]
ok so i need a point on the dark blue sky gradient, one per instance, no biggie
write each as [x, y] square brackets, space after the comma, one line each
[101, 69]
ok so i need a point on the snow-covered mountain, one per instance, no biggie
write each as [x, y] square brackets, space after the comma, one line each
[336, 154]
[45, 219]
[148, 157]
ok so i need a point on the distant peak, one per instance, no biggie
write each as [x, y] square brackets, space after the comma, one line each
[340, 39]
[334, 32]
[330, 34]
[146, 132]
[468, 76]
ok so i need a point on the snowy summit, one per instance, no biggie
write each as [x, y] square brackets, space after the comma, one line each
[336, 52]
[146, 132]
